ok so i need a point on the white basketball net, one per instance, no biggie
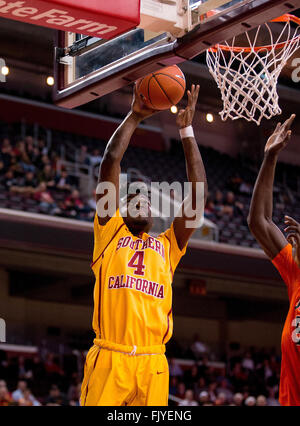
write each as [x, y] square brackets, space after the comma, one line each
[247, 77]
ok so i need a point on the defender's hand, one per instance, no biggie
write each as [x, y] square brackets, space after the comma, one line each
[140, 110]
[280, 137]
[185, 116]
[293, 230]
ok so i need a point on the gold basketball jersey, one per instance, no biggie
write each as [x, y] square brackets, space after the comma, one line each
[133, 289]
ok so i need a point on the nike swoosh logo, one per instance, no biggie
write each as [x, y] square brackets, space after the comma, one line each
[160, 372]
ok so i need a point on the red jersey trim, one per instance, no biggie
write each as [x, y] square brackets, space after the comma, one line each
[169, 313]
[87, 386]
[99, 302]
[171, 270]
[93, 263]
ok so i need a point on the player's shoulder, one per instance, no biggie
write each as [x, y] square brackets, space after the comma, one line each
[109, 221]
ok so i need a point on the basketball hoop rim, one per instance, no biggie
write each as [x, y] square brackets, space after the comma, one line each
[284, 18]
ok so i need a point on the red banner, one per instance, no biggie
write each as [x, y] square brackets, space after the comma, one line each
[98, 18]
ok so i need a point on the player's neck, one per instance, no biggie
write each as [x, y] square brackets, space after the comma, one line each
[137, 231]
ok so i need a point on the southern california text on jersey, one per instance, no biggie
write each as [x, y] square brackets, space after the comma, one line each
[133, 289]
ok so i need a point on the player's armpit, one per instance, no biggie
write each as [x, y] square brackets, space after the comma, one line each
[287, 267]
[182, 233]
[175, 251]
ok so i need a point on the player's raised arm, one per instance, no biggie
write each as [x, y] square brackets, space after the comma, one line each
[110, 166]
[192, 209]
[260, 220]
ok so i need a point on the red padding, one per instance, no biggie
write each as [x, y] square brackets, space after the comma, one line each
[98, 18]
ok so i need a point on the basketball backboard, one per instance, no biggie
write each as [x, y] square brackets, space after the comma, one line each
[170, 32]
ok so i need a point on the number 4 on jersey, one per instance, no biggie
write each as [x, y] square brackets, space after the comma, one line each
[137, 262]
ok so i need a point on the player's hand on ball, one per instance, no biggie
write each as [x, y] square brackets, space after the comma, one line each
[280, 137]
[185, 116]
[138, 107]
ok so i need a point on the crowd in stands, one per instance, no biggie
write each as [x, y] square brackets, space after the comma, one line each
[31, 180]
[245, 377]
[249, 377]
[29, 176]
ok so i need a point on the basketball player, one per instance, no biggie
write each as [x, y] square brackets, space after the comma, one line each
[285, 256]
[133, 294]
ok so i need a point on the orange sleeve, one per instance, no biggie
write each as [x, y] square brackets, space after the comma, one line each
[175, 252]
[287, 267]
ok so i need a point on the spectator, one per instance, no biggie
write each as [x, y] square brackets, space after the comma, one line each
[189, 399]
[47, 203]
[261, 401]
[9, 180]
[245, 188]
[220, 400]
[38, 368]
[92, 201]
[238, 399]
[200, 386]
[247, 362]
[25, 185]
[6, 155]
[33, 155]
[19, 392]
[218, 202]
[56, 397]
[2, 169]
[95, 158]
[231, 206]
[83, 156]
[173, 385]
[204, 368]
[235, 182]
[5, 398]
[209, 208]
[174, 368]
[47, 176]
[204, 398]
[272, 401]
[238, 377]
[42, 147]
[74, 204]
[250, 401]
[199, 348]
[181, 390]
[28, 400]
[42, 161]
[74, 394]
[212, 391]
[63, 181]
[51, 365]
[191, 376]
[224, 388]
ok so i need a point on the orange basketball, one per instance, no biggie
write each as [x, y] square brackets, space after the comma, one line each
[162, 89]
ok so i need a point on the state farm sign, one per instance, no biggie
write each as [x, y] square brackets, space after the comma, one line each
[63, 15]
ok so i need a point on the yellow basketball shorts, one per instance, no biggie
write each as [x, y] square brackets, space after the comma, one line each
[129, 377]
